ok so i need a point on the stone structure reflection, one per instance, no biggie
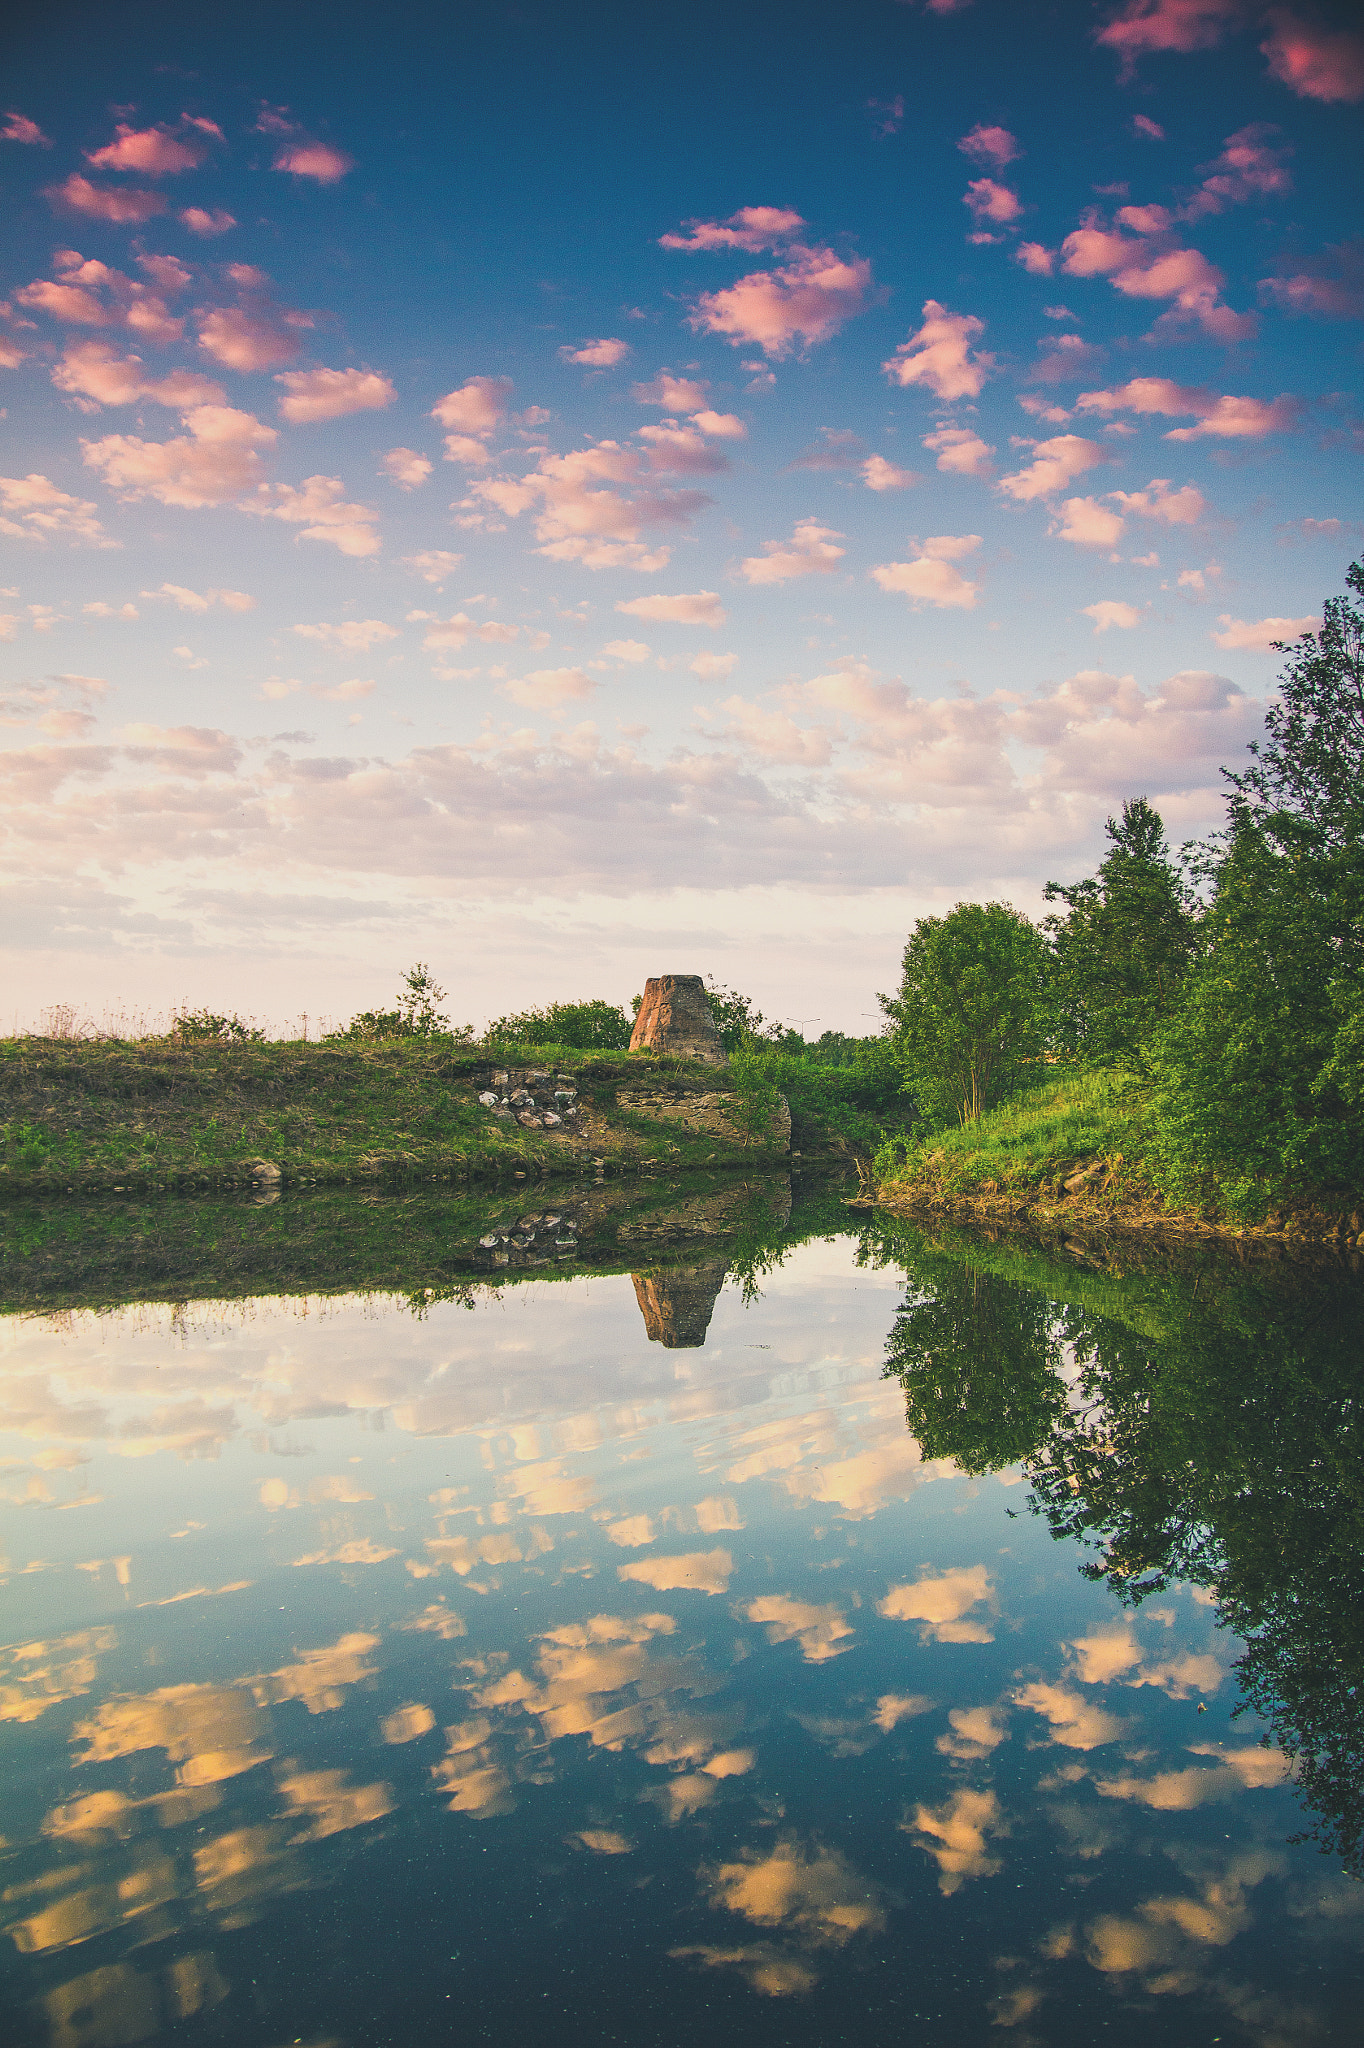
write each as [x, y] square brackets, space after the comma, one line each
[677, 1305]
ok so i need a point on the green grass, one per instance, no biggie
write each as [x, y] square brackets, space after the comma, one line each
[91, 1115]
[1073, 1120]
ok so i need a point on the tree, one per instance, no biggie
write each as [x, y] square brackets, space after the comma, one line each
[970, 1010]
[596, 1026]
[1256, 1075]
[416, 1014]
[1119, 953]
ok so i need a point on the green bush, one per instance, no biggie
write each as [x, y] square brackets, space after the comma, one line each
[597, 1026]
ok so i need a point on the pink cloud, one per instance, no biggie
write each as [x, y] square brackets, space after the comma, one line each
[1043, 409]
[673, 394]
[695, 608]
[90, 294]
[212, 464]
[1331, 284]
[93, 370]
[712, 667]
[126, 208]
[1143, 26]
[321, 511]
[994, 146]
[155, 152]
[580, 520]
[18, 128]
[313, 395]
[478, 407]
[248, 338]
[1173, 508]
[809, 552]
[1225, 417]
[1111, 612]
[959, 451]
[317, 160]
[546, 689]
[1088, 523]
[992, 202]
[930, 578]
[11, 355]
[459, 629]
[1066, 358]
[204, 223]
[597, 355]
[1055, 463]
[721, 426]
[1036, 259]
[751, 228]
[880, 475]
[1260, 637]
[1248, 168]
[1315, 62]
[406, 468]
[800, 303]
[351, 636]
[32, 507]
[940, 355]
[1149, 130]
[1138, 271]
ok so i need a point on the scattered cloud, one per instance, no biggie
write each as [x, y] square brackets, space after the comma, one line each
[993, 146]
[406, 468]
[320, 510]
[800, 303]
[1088, 523]
[1221, 416]
[200, 601]
[822, 1631]
[992, 202]
[96, 372]
[1330, 285]
[155, 152]
[124, 206]
[354, 636]
[597, 355]
[752, 228]
[960, 451]
[433, 565]
[207, 221]
[713, 668]
[1260, 638]
[212, 464]
[1055, 463]
[1164, 270]
[33, 508]
[18, 128]
[320, 161]
[548, 689]
[941, 356]
[313, 395]
[1313, 61]
[697, 608]
[956, 1836]
[1112, 612]
[880, 475]
[811, 551]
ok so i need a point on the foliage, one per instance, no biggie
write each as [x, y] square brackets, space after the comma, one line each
[1257, 1074]
[416, 1014]
[1075, 1118]
[856, 1103]
[1120, 951]
[969, 1014]
[738, 1019]
[596, 1026]
[192, 1026]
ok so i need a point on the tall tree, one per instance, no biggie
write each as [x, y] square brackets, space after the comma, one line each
[1120, 951]
[1257, 1077]
[969, 1011]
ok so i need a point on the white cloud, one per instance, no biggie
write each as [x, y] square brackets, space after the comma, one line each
[313, 395]
[355, 636]
[811, 551]
[930, 577]
[696, 608]
[1112, 612]
[941, 355]
[1260, 636]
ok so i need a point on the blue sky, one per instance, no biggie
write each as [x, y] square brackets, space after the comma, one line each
[743, 482]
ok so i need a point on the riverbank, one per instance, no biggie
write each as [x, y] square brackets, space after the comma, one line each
[1075, 1157]
[86, 1117]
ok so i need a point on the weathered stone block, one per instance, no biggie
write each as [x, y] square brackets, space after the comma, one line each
[675, 1017]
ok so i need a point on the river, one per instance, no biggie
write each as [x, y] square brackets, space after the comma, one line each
[672, 1616]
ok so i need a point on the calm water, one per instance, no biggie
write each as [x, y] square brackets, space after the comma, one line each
[602, 1659]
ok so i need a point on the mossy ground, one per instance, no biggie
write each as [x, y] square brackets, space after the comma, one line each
[90, 1116]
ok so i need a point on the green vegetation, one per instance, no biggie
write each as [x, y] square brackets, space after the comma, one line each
[84, 1114]
[1202, 1017]
[581, 1027]
[1214, 1437]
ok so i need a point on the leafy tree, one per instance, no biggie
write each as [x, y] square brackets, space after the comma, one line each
[195, 1026]
[738, 1019]
[1257, 1074]
[415, 1016]
[970, 1007]
[1120, 951]
[596, 1026]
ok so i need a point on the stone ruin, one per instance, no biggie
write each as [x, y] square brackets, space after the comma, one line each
[675, 1017]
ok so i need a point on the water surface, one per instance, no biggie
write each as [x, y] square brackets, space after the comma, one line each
[550, 1659]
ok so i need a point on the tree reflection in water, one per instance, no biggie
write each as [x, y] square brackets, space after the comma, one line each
[1195, 1422]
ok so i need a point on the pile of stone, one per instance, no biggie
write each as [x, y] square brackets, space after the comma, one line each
[536, 1098]
[532, 1240]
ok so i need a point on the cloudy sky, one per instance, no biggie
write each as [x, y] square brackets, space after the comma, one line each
[576, 494]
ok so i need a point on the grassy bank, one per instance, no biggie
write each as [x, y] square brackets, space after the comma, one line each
[151, 1116]
[1078, 1153]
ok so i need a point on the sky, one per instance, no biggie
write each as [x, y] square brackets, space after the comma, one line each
[576, 494]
